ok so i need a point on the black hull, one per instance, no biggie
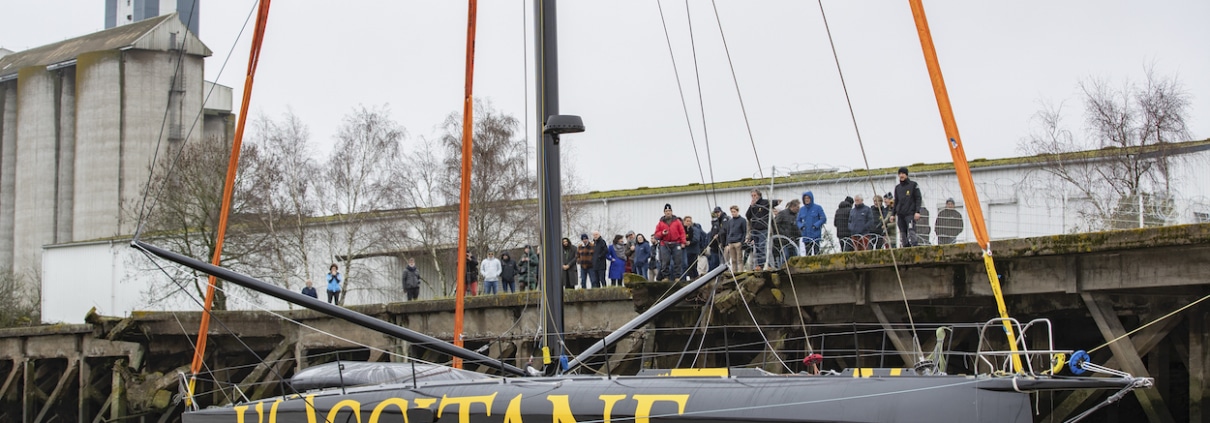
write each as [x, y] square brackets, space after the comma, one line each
[666, 399]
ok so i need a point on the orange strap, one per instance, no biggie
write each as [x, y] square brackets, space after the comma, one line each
[962, 169]
[464, 196]
[258, 37]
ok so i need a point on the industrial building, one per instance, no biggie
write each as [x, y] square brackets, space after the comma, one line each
[80, 123]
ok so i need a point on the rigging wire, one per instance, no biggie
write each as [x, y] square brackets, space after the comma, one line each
[283, 317]
[1127, 334]
[220, 322]
[144, 208]
[172, 84]
[681, 90]
[735, 80]
[701, 104]
[866, 160]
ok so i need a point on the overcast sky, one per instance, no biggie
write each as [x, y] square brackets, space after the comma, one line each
[1001, 60]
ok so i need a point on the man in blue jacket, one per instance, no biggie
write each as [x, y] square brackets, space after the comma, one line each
[811, 219]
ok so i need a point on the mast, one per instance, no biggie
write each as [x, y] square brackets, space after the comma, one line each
[258, 37]
[464, 196]
[546, 73]
[962, 170]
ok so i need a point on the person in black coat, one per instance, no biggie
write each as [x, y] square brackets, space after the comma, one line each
[841, 220]
[568, 269]
[949, 223]
[508, 274]
[908, 201]
[600, 255]
[717, 237]
[472, 275]
[695, 243]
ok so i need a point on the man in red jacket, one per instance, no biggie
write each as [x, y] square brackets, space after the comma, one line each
[671, 237]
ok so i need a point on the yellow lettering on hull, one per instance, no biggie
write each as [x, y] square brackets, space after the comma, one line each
[464, 405]
[610, 400]
[513, 413]
[642, 411]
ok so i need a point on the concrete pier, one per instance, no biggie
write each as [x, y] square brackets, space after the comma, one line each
[1092, 287]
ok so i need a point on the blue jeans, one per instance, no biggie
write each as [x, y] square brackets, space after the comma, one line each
[758, 247]
[489, 287]
[598, 276]
[508, 286]
[713, 260]
[584, 277]
[640, 268]
[812, 246]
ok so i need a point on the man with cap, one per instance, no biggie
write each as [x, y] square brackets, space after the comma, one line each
[717, 236]
[949, 223]
[907, 208]
[670, 235]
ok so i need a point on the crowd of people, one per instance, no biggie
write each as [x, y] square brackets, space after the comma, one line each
[679, 245]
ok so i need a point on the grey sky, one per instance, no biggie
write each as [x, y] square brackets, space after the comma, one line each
[1000, 59]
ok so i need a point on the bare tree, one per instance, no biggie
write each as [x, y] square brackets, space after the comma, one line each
[282, 176]
[185, 215]
[1126, 159]
[502, 190]
[357, 185]
[429, 225]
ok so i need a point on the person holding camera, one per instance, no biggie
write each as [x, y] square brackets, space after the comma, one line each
[334, 281]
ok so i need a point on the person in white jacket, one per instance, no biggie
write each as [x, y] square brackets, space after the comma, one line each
[490, 269]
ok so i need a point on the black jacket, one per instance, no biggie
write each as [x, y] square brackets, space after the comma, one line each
[696, 238]
[949, 223]
[785, 225]
[841, 219]
[758, 215]
[600, 253]
[472, 270]
[508, 270]
[718, 233]
[907, 198]
[411, 278]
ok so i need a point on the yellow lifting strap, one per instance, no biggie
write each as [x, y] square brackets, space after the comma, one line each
[962, 169]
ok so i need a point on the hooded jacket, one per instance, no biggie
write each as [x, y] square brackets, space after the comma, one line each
[508, 268]
[811, 217]
[411, 277]
[696, 238]
[841, 220]
[718, 233]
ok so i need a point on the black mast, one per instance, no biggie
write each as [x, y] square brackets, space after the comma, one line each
[546, 72]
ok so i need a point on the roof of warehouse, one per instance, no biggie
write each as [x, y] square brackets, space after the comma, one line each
[110, 39]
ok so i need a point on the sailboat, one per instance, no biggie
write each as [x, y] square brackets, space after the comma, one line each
[551, 390]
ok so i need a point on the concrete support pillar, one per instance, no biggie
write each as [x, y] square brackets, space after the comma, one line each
[1111, 328]
[117, 408]
[1199, 322]
[8, 169]
[27, 391]
[83, 396]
